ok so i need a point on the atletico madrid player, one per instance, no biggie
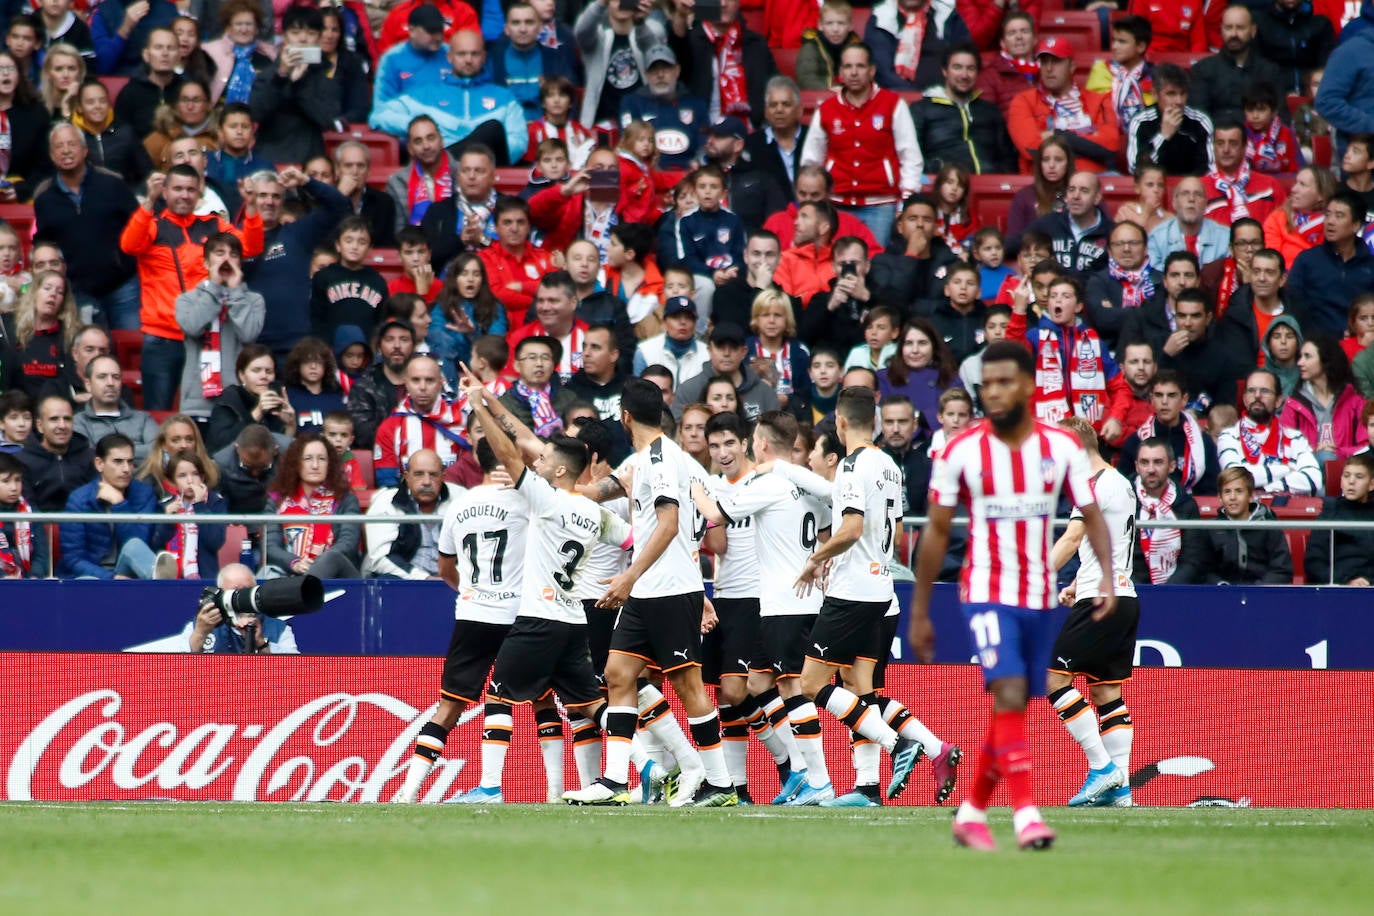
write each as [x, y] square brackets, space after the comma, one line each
[1009, 470]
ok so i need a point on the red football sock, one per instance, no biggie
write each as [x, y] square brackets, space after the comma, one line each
[1013, 755]
[988, 775]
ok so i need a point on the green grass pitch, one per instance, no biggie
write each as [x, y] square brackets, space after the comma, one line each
[301, 859]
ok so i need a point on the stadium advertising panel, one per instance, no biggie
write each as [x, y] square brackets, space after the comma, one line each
[130, 727]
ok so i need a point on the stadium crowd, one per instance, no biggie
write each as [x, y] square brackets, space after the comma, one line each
[248, 246]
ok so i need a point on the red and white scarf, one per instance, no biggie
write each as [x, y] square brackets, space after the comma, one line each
[185, 542]
[211, 356]
[1228, 286]
[782, 358]
[6, 143]
[1082, 389]
[572, 133]
[1235, 190]
[1161, 546]
[16, 559]
[418, 196]
[546, 419]
[1136, 285]
[597, 225]
[954, 228]
[1129, 88]
[1310, 225]
[1257, 450]
[909, 41]
[1066, 111]
[1030, 69]
[309, 540]
[1194, 463]
[729, 45]
[1262, 149]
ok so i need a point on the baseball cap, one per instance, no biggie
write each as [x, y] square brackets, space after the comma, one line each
[729, 126]
[676, 305]
[1055, 46]
[727, 332]
[427, 17]
[660, 54]
[394, 323]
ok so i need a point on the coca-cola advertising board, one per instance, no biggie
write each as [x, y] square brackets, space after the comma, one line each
[88, 727]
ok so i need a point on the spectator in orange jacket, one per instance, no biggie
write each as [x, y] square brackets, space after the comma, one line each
[169, 248]
[514, 266]
[1057, 107]
[806, 269]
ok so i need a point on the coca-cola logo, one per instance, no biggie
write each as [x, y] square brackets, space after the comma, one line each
[83, 749]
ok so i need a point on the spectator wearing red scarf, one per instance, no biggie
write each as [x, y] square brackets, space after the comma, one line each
[724, 62]
[310, 483]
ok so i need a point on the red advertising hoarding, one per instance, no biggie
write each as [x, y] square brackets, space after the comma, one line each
[87, 727]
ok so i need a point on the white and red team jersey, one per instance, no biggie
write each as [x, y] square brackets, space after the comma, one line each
[564, 527]
[663, 472]
[787, 522]
[737, 570]
[868, 481]
[1116, 498]
[1012, 496]
[485, 529]
[406, 432]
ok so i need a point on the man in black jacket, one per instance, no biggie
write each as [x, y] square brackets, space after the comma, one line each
[1352, 562]
[1195, 473]
[1079, 232]
[700, 47]
[378, 392]
[776, 149]
[753, 194]
[959, 315]
[156, 83]
[1219, 81]
[954, 125]
[1296, 39]
[246, 467]
[57, 458]
[84, 210]
[1128, 282]
[1171, 556]
[1199, 356]
[916, 261]
[295, 102]
[1169, 134]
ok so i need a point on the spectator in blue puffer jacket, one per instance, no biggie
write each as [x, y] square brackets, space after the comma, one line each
[113, 550]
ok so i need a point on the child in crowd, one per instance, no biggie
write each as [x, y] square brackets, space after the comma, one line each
[1279, 352]
[490, 353]
[188, 489]
[1148, 209]
[825, 374]
[995, 322]
[641, 183]
[23, 545]
[1307, 124]
[881, 325]
[953, 222]
[633, 277]
[351, 291]
[1347, 557]
[234, 159]
[774, 352]
[1127, 76]
[684, 202]
[1221, 417]
[556, 96]
[677, 281]
[712, 240]
[16, 420]
[988, 252]
[338, 432]
[955, 412]
[550, 167]
[22, 41]
[417, 273]
[321, 258]
[1359, 325]
[312, 383]
[13, 276]
[818, 61]
[1036, 247]
[352, 354]
[1270, 145]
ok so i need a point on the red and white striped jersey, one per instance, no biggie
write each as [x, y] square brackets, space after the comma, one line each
[1012, 495]
[405, 432]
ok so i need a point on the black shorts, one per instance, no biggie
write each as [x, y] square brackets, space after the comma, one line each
[472, 650]
[664, 632]
[1101, 650]
[600, 625]
[880, 651]
[785, 641]
[543, 655]
[846, 630]
[728, 650]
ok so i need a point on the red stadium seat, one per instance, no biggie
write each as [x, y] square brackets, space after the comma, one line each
[1083, 28]
[364, 500]
[1321, 150]
[991, 197]
[787, 61]
[859, 17]
[385, 150]
[512, 181]
[20, 216]
[161, 416]
[128, 348]
[1333, 476]
[1297, 101]
[387, 262]
[1116, 190]
[756, 21]
[1297, 546]
[1296, 506]
[1184, 59]
[132, 379]
[114, 85]
[1208, 506]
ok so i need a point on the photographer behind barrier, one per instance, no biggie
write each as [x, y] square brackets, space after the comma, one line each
[210, 631]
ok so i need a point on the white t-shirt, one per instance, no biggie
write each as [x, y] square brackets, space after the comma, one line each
[663, 473]
[564, 526]
[1117, 500]
[787, 523]
[603, 561]
[867, 481]
[737, 570]
[485, 530]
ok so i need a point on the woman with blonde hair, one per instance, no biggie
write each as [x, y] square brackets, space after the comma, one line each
[178, 433]
[42, 328]
[64, 70]
[774, 351]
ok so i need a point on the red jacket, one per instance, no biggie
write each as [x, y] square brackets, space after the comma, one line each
[525, 269]
[1118, 393]
[804, 270]
[1029, 116]
[785, 20]
[1181, 26]
[984, 19]
[404, 284]
[862, 147]
[1000, 82]
[558, 217]
[1263, 195]
[641, 190]
[783, 224]
[171, 259]
[458, 16]
[1348, 434]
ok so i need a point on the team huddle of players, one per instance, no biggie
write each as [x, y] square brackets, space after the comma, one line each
[550, 602]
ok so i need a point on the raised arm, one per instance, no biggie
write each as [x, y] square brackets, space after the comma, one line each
[492, 409]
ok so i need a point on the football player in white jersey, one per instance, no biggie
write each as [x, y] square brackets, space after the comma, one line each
[1101, 650]
[546, 648]
[662, 608]
[481, 555]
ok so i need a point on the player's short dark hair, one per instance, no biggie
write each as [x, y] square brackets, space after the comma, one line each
[1158, 442]
[829, 439]
[572, 453]
[1006, 351]
[10, 465]
[855, 404]
[1138, 27]
[780, 428]
[643, 401]
[486, 456]
[1355, 202]
[596, 435]
[728, 422]
[110, 442]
